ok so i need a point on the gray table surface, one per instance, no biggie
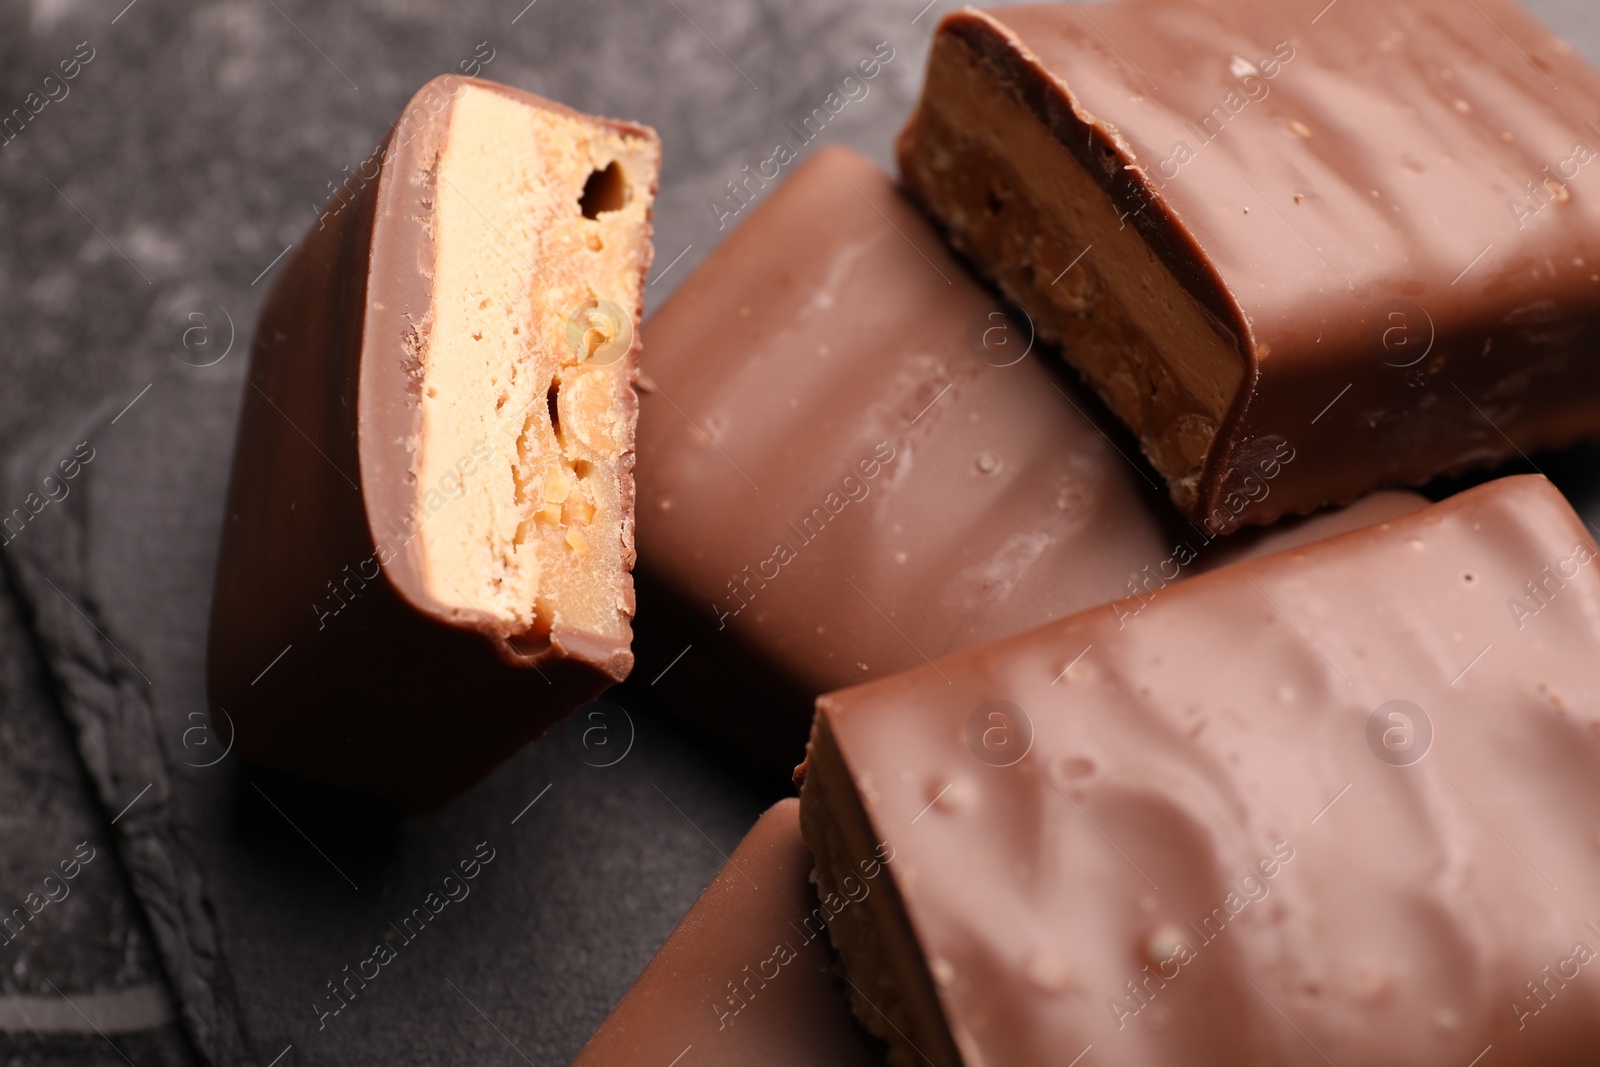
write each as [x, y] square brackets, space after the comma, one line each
[190, 152]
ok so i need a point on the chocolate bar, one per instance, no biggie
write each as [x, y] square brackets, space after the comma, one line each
[1302, 255]
[856, 463]
[429, 533]
[1334, 805]
[748, 975]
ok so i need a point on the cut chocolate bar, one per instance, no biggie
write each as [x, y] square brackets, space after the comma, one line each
[429, 536]
[855, 464]
[748, 976]
[1333, 805]
[1301, 255]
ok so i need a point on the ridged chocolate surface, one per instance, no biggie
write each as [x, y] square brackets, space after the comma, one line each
[837, 482]
[1221, 845]
[1391, 206]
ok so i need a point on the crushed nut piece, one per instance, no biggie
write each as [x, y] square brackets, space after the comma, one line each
[576, 511]
[556, 485]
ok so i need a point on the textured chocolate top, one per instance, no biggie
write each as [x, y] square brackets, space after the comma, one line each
[1389, 197]
[841, 480]
[747, 976]
[1226, 844]
[1378, 160]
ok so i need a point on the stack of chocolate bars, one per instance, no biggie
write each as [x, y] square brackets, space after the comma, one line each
[1270, 764]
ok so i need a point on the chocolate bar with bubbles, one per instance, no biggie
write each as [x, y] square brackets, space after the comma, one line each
[1367, 235]
[1333, 804]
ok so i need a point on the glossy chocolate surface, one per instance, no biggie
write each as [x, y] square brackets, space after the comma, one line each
[1218, 839]
[748, 975]
[324, 647]
[1389, 206]
[840, 479]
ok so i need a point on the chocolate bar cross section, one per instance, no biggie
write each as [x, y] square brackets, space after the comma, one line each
[430, 520]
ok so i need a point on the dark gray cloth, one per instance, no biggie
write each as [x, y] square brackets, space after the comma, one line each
[79, 979]
[193, 149]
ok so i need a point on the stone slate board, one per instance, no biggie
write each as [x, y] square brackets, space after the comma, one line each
[193, 148]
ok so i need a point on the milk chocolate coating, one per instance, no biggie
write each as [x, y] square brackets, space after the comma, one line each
[325, 649]
[747, 976]
[1351, 881]
[1290, 534]
[829, 336]
[1350, 222]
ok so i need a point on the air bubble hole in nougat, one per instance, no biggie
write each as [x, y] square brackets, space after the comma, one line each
[606, 190]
